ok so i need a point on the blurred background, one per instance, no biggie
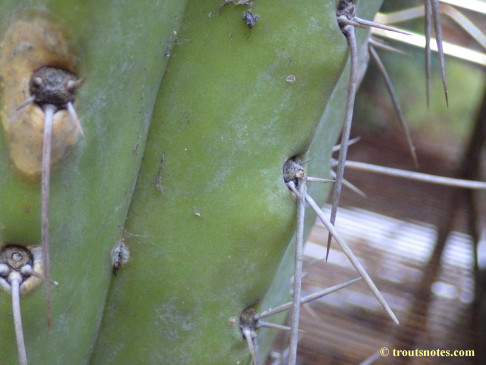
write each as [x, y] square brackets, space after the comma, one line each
[424, 245]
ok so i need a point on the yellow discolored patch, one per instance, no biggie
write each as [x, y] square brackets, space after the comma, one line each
[32, 39]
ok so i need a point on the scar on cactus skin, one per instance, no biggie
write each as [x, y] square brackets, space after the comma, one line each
[119, 256]
[248, 16]
[158, 179]
[20, 273]
[39, 119]
[250, 19]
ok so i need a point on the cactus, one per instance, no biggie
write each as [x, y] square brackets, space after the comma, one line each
[87, 209]
[190, 109]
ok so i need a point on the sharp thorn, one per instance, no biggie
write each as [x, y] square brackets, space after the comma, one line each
[51, 282]
[350, 186]
[428, 35]
[350, 143]
[312, 313]
[370, 360]
[438, 37]
[74, 117]
[352, 85]
[46, 172]
[352, 257]
[251, 345]
[274, 325]
[377, 25]
[306, 299]
[382, 45]
[291, 186]
[25, 103]
[318, 179]
[418, 176]
[395, 102]
[328, 248]
[343, 21]
[15, 280]
[297, 284]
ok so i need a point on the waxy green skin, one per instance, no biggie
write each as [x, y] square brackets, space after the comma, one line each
[318, 165]
[120, 51]
[210, 218]
[208, 245]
